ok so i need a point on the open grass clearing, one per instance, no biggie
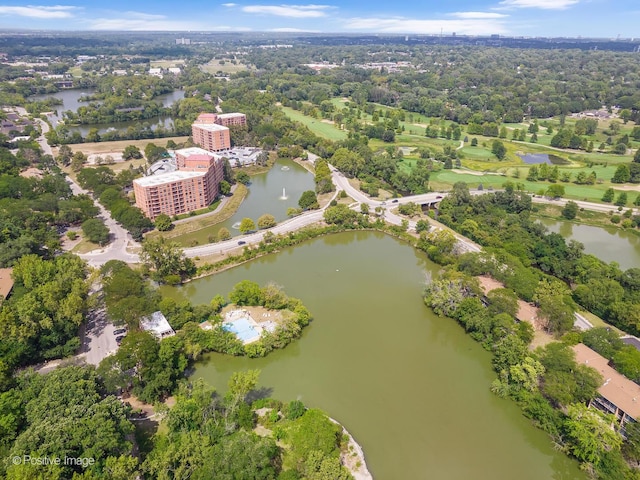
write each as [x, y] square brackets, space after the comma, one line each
[166, 63]
[317, 126]
[224, 66]
[119, 145]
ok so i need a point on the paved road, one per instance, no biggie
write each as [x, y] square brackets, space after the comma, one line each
[596, 207]
[120, 238]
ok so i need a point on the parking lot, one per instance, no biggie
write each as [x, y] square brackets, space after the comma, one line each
[98, 341]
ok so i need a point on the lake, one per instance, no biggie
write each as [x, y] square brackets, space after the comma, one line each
[610, 244]
[411, 387]
[72, 100]
[538, 158]
[265, 196]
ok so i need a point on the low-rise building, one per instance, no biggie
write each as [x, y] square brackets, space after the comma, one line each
[157, 325]
[617, 395]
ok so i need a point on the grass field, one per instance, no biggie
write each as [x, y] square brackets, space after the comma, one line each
[322, 129]
[120, 145]
[215, 66]
[166, 63]
[443, 180]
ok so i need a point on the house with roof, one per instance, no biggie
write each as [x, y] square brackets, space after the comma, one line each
[157, 325]
[617, 395]
[6, 283]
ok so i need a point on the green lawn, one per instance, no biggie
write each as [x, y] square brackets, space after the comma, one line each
[320, 128]
[444, 179]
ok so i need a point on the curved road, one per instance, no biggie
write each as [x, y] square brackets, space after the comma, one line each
[120, 238]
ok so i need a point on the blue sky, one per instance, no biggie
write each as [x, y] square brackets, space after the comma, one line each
[588, 18]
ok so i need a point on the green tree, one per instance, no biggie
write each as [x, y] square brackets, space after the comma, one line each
[224, 234]
[347, 161]
[131, 152]
[608, 195]
[555, 191]
[243, 177]
[498, 149]
[627, 362]
[622, 174]
[163, 222]
[555, 307]
[247, 225]
[77, 161]
[266, 221]
[570, 210]
[224, 187]
[590, 433]
[621, 201]
[308, 200]
[96, 231]
[246, 292]
[166, 258]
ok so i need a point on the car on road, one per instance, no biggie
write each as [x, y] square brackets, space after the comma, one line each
[438, 197]
[120, 331]
[241, 242]
[394, 201]
[119, 339]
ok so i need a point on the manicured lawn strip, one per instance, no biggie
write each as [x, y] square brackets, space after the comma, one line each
[324, 130]
[185, 233]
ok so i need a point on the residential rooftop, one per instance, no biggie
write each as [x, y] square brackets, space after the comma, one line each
[168, 177]
[211, 127]
[616, 388]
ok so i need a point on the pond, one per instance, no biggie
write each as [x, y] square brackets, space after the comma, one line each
[411, 387]
[609, 244]
[272, 192]
[537, 158]
[72, 100]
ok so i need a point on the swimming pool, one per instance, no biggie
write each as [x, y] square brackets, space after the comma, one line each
[243, 329]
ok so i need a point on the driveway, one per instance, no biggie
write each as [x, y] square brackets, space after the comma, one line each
[98, 340]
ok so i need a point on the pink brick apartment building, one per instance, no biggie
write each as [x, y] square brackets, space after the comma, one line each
[211, 136]
[192, 187]
[224, 119]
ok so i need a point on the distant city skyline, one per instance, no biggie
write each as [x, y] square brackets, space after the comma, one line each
[545, 18]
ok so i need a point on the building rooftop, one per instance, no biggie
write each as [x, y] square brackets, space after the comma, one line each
[230, 115]
[157, 324]
[187, 152]
[6, 282]
[616, 388]
[168, 177]
[212, 127]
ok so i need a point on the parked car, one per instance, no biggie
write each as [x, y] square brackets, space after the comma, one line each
[119, 339]
[120, 331]
[438, 197]
[394, 201]
[241, 242]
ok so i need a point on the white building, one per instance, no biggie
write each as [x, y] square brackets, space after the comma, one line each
[157, 325]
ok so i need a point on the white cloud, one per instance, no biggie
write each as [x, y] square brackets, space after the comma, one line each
[229, 5]
[39, 11]
[293, 30]
[138, 21]
[405, 25]
[543, 4]
[294, 11]
[478, 15]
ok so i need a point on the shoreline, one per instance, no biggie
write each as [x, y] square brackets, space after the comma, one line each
[360, 472]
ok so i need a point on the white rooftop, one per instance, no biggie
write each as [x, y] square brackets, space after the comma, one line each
[230, 115]
[212, 127]
[157, 324]
[168, 177]
[186, 152]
